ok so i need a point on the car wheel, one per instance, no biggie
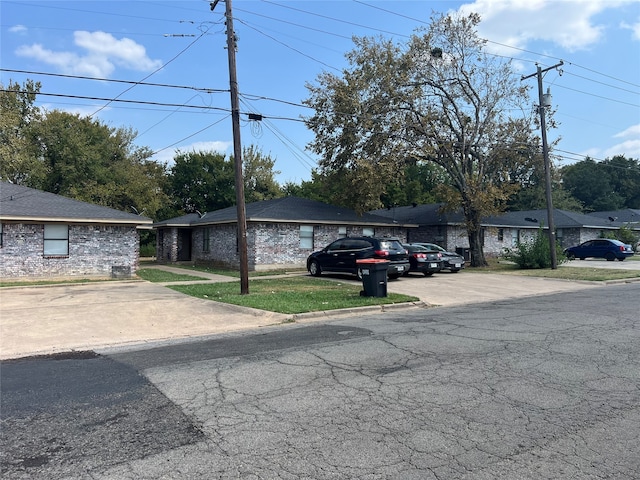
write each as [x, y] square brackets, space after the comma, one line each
[314, 268]
[610, 257]
[570, 256]
[622, 259]
[394, 276]
[427, 274]
[455, 270]
[406, 274]
[582, 258]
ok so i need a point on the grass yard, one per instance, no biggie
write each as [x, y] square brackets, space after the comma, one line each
[291, 294]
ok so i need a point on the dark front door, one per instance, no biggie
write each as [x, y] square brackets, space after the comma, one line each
[184, 245]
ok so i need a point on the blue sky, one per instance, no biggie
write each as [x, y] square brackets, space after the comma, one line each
[180, 47]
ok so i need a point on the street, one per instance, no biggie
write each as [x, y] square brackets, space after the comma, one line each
[541, 387]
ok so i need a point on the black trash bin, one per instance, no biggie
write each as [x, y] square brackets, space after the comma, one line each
[465, 253]
[374, 277]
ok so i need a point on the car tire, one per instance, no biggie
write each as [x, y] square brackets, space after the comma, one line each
[427, 274]
[394, 276]
[570, 256]
[455, 270]
[622, 259]
[314, 268]
[610, 257]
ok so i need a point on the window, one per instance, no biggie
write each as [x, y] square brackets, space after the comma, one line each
[342, 232]
[500, 234]
[367, 232]
[306, 236]
[1, 238]
[56, 239]
[206, 240]
[515, 237]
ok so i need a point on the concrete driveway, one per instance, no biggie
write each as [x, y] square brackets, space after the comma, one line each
[49, 319]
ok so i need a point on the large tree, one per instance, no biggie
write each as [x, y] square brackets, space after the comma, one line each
[441, 99]
[92, 162]
[259, 175]
[608, 185]
[201, 181]
[18, 163]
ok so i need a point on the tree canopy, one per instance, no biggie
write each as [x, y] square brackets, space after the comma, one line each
[442, 100]
[18, 164]
[612, 184]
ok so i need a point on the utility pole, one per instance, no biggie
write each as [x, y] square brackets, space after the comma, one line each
[547, 164]
[237, 150]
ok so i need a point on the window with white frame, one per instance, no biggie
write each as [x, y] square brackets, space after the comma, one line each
[306, 236]
[56, 240]
[342, 232]
[367, 231]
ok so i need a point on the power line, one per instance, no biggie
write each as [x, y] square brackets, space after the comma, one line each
[130, 82]
[151, 74]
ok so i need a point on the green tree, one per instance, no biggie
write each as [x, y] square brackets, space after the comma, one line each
[443, 100]
[18, 163]
[202, 181]
[259, 176]
[92, 162]
[612, 184]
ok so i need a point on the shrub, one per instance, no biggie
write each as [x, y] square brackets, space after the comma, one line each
[534, 254]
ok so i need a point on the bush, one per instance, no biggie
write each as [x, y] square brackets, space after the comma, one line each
[625, 234]
[534, 254]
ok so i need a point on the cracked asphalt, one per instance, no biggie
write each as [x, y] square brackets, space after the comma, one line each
[533, 388]
[536, 387]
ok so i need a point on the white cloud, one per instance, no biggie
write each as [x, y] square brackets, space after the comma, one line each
[568, 23]
[629, 147]
[633, 132]
[634, 27]
[102, 52]
[20, 29]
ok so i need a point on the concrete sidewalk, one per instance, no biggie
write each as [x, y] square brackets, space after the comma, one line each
[49, 319]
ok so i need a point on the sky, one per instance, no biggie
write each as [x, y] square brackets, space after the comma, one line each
[161, 67]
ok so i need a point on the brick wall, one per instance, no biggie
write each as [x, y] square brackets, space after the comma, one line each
[93, 252]
[269, 245]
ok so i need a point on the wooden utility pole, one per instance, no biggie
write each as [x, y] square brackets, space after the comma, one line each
[237, 150]
[547, 164]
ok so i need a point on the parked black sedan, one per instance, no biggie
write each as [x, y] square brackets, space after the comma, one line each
[600, 248]
[422, 259]
[452, 261]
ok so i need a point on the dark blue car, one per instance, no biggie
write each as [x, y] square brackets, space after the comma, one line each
[600, 248]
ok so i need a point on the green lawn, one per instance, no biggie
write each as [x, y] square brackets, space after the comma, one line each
[160, 276]
[291, 294]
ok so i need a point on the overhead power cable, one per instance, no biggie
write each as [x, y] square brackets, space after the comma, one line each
[112, 80]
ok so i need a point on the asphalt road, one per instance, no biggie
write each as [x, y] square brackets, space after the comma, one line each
[544, 387]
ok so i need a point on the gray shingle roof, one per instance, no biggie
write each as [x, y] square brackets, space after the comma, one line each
[429, 214]
[21, 203]
[621, 217]
[283, 210]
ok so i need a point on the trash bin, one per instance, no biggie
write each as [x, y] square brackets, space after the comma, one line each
[374, 277]
[465, 252]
